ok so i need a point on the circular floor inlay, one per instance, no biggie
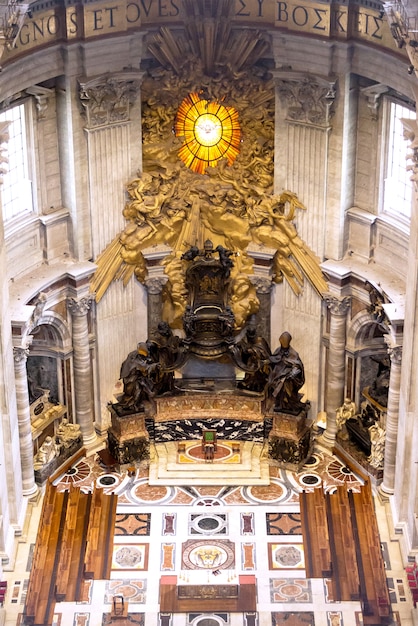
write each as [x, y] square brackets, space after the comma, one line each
[222, 452]
[310, 479]
[342, 473]
[208, 523]
[208, 557]
[208, 554]
[76, 474]
[107, 480]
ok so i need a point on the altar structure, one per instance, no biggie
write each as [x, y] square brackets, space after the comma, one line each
[54, 438]
[213, 377]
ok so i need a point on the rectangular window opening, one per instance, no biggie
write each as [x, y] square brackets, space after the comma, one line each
[398, 186]
[16, 190]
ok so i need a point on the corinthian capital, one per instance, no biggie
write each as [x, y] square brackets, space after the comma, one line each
[261, 283]
[394, 350]
[81, 306]
[107, 99]
[155, 285]
[309, 99]
[338, 306]
[20, 355]
[395, 353]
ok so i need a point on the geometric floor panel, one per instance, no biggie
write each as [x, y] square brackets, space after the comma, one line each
[130, 620]
[132, 590]
[210, 535]
[132, 524]
[292, 619]
[290, 590]
[283, 523]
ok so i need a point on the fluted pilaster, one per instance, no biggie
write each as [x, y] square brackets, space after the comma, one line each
[112, 124]
[392, 418]
[334, 392]
[83, 391]
[29, 486]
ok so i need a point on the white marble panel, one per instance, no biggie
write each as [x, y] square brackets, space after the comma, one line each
[121, 324]
[109, 161]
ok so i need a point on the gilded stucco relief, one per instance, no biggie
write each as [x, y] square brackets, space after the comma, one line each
[232, 205]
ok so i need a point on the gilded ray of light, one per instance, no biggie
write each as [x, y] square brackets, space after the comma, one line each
[211, 131]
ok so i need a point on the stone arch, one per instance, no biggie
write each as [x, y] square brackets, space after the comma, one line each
[49, 359]
[363, 331]
[57, 328]
[365, 350]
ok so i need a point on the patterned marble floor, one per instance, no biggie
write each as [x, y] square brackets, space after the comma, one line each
[203, 534]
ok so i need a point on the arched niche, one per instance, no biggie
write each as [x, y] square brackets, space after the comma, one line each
[366, 354]
[49, 362]
[50, 387]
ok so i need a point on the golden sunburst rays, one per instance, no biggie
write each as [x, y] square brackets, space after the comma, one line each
[210, 130]
[308, 261]
[209, 37]
[110, 265]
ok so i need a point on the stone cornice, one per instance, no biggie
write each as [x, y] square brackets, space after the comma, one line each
[82, 20]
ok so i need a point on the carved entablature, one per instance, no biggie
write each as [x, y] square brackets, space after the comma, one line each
[106, 100]
[308, 99]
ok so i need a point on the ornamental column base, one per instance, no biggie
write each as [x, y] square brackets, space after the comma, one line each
[128, 438]
[31, 493]
[290, 440]
[89, 440]
[327, 440]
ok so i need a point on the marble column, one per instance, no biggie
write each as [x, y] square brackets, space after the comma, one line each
[83, 376]
[263, 288]
[29, 487]
[262, 281]
[155, 303]
[392, 418]
[334, 392]
[154, 283]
